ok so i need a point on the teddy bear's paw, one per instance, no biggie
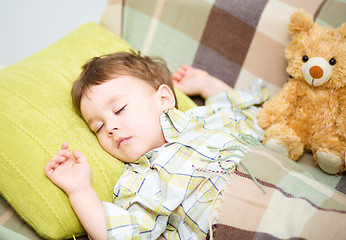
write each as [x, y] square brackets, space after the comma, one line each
[328, 162]
[277, 146]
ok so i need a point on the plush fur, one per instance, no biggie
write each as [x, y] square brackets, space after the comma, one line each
[309, 112]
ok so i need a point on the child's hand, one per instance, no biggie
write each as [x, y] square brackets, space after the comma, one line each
[194, 81]
[66, 172]
[190, 80]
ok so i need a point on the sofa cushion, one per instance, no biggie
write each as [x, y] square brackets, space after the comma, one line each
[236, 41]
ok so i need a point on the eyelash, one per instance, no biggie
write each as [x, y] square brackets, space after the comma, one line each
[116, 113]
[121, 109]
[98, 130]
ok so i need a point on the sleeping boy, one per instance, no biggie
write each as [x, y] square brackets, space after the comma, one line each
[177, 163]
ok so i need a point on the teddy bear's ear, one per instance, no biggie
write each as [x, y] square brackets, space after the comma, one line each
[301, 21]
[342, 30]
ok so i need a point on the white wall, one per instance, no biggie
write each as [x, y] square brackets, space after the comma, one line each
[29, 25]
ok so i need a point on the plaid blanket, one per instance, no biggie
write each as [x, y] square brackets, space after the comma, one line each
[294, 205]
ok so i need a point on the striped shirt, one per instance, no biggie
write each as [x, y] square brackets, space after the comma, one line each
[168, 192]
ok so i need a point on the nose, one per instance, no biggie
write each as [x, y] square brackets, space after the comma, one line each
[111, 128]
[112, 131]
[111, 125]
[316, 72]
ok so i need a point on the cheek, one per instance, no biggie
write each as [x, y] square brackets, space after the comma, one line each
[106, 144]
[142, 117]
[146, 126]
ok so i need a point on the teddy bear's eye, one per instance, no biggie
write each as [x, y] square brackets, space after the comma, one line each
[332, 61]
[305, 58]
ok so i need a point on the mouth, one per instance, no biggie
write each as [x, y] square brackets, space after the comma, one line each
[121, 141]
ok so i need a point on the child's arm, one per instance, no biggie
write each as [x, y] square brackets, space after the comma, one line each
[193, 81]
[73, 176]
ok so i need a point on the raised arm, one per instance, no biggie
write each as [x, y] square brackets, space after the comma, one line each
[73, 176]
[194, 81]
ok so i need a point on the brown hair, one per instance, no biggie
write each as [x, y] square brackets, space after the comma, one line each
[101, 69]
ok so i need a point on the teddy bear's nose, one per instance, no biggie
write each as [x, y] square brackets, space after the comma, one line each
[316, 72]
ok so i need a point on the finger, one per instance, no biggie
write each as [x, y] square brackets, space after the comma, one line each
[64, 153]
[64, 146]
[184, 68]
[53, 164]
[79, 156]
[176, 76]
[177, 84]
[57, 160]
[181, 72]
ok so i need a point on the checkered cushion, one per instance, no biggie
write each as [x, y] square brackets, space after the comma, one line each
[236, 41]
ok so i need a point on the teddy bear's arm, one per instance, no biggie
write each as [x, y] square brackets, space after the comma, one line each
[279, 107]
[341, 119]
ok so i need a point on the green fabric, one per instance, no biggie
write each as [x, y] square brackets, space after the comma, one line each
[332, 13]
[36, 116]
[184, 102]
[8, 234]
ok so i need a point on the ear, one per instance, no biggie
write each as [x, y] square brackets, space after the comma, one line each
[342, 30]
[166, 95]
[301, 21]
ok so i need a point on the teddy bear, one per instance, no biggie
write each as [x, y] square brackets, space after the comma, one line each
[309, 111]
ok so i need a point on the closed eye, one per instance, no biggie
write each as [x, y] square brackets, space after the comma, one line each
[121, 109]
[99, 129]
[116, 113]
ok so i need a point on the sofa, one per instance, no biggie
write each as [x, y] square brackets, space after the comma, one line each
[237, 41]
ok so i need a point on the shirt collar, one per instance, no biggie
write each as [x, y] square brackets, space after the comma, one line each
[173, 121]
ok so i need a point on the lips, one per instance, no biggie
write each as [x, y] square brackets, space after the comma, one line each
[121, 140]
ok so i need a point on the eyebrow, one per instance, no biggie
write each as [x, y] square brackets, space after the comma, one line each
[111, 100]
[115, 98]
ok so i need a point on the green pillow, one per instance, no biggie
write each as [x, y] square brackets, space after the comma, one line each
[36, 116]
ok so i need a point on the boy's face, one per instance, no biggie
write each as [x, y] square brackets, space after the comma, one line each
[125, 115]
